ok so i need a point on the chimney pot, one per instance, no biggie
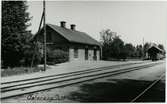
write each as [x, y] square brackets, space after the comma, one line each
[63, 24]
[73, 26]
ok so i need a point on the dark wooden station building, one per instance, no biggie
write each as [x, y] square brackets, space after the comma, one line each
[155, 53]
[79, 45]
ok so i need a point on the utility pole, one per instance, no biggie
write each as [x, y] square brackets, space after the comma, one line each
[143, 49]
[44, 25]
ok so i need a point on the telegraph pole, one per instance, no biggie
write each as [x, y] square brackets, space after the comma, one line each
[44, 25]
[143, 49]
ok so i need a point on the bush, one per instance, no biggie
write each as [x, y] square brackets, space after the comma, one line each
[57, 56]
[32, 55]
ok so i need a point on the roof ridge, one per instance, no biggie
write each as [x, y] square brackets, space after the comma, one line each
[74, 35]
[58, 31]
[67, 28]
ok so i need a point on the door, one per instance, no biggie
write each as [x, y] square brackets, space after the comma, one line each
[86, 54]
[95, 54]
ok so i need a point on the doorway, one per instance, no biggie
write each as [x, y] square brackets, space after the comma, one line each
[86, 54]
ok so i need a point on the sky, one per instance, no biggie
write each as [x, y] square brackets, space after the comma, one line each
[133, 21]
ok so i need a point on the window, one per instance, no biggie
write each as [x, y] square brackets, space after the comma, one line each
[75, 53]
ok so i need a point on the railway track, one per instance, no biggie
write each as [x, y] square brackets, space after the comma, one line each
[148, 88]
[70, 73]
[21, 87]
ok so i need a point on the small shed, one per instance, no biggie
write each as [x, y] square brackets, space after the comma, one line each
[153, 52]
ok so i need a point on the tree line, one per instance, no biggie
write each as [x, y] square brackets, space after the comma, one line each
[114, 48]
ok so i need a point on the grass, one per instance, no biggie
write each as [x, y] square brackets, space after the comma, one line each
[122, 91]
[19, 70]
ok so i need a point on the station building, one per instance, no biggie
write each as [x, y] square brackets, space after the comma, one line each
[155, 53]
[79, 45]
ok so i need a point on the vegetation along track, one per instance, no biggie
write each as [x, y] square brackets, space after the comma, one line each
[34, 85]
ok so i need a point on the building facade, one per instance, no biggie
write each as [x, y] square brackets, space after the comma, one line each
[155, 53]
[79, 45]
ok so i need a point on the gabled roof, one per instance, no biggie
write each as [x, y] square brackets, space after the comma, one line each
[74, 36]
[155, 47]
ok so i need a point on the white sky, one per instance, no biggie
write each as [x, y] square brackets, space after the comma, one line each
[132, 20]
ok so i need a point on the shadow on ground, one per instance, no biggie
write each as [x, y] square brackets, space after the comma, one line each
[120, 91]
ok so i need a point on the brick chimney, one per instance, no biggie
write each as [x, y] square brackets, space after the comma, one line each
[63, 24]
[73, 26]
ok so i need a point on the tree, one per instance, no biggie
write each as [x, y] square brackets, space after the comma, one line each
[112, 45]
[129, 49]
[14, 30]
[146, 47]
[161, 46]
[117, 48]
[139, 51]
[107, 37]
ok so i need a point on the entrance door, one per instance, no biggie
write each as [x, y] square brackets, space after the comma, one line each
[95, 54]
[86, 54]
